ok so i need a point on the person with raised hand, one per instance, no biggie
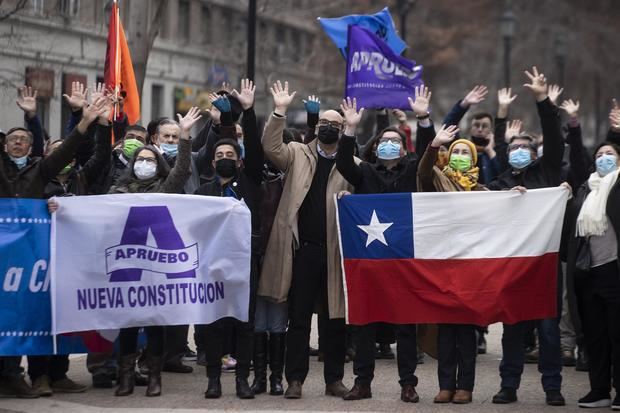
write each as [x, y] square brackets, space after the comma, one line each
[27, 102]
[302, 260]
[527, 171]
[394, 171]
[149, 172]
[240, 180]
[313, 107]
[554, 93]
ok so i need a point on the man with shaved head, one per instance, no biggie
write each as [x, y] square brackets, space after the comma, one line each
[302, 260]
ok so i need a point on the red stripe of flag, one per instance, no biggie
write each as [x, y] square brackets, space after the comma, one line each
[464, 291]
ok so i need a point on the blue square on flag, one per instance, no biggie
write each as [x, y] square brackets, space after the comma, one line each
[376, 226]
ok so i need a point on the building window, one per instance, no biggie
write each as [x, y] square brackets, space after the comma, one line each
[38, 6]
[69, 8]
[157, 100]
[296, 51]
[184, 20]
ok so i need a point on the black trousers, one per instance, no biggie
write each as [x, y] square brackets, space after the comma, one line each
[457, 349]
[598, 300]
[54, 367]
[217, 334]
[406, 352]
[175, 342]
[309, 285]
[128, 341]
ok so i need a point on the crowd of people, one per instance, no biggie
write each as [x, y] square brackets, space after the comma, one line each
[288, 177]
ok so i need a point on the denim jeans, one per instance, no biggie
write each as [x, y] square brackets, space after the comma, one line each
[549, 359]
[270, 317]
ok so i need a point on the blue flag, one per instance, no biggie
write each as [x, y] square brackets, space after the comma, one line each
[376, 76]
[380, 23]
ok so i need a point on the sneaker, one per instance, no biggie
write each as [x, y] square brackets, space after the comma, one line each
[228, 363]
[615, 405]
[555, 398]
[16, 387]
[41, 386]
[190, 355]
[67, 385]
[595, 399]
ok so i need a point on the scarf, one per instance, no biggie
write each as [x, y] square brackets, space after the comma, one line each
[466, 180]
[592, 219]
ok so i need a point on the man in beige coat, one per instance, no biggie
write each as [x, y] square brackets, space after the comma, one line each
[302, 260]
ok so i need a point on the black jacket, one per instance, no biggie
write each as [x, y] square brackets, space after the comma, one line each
[543, 172]
[374, 178]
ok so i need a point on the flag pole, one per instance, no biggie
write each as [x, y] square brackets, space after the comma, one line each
[117, 62]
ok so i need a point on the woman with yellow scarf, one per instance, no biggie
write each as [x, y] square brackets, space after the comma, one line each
[456, 343]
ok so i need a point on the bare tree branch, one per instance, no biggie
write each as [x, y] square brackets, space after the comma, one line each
[21, 4]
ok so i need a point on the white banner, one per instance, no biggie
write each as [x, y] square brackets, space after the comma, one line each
[133, 260]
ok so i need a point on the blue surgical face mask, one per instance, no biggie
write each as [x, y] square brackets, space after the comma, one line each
[606, 164]
[20, 162]
[520, 158]
[388, 150]
[169, 149]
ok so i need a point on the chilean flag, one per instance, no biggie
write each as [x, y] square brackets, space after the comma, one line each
[451, 257]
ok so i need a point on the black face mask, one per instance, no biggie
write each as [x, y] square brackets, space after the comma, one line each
[226, 168]
[328, 134]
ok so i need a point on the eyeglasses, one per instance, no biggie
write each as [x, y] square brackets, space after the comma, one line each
[515, 146]
[393, 140]
[148, 160]
[19, 138]
[481, 125]
[333, 124]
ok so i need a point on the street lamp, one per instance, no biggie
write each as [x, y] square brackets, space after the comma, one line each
[561, 50]
[404, 7]
[508, 23]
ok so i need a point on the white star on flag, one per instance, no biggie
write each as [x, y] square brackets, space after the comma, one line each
[375, 229]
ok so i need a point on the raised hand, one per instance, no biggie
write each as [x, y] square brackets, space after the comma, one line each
[27, 101]
[187, 122]
[98, 90]
[554, 92]
[505, 97]
[571, 108]
[351, 116]
[312, 104]
[77, 99]
[99, 108]
[220, 102]
[513, 129]
[281, 98]
[400, 116]
[475, 96]
[104, 119]
[419, 106]
[445, 135]
[614, 117]
[538, 85]
[246, 97]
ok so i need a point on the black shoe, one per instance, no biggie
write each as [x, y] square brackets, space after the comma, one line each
[384, 352]
[102, 379]
[313, 352]
[595, 399]
[177, 366]
[505, 395]
[243, 388]
[555, 398]
[277, 347]
[260, 363]
[582, 360]
[568, 358]
[531, 357]
[615, 405]
[189, 355]
[294, 390]
[214, 389]
[359, 392]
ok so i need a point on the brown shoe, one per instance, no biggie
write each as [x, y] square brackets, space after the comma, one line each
[41, 386]
[336, 389]
[408, 394]
[67, 385]
[462, 397]
[444, 396]
[359, 392]
[293, 391]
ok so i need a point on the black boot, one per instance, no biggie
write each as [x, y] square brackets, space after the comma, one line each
[243, 388]
[155, 365]
[260, 363]
[214, 388]
[126, 366]
[277, 346]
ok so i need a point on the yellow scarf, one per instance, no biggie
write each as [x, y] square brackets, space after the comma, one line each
[466, 180]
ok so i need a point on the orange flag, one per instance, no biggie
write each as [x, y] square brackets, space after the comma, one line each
[118, 72]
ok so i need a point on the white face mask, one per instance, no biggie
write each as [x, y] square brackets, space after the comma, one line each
[144, 169]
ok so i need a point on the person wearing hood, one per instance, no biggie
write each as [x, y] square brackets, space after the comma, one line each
[394, 171]
[148, 172]
[242, 181]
